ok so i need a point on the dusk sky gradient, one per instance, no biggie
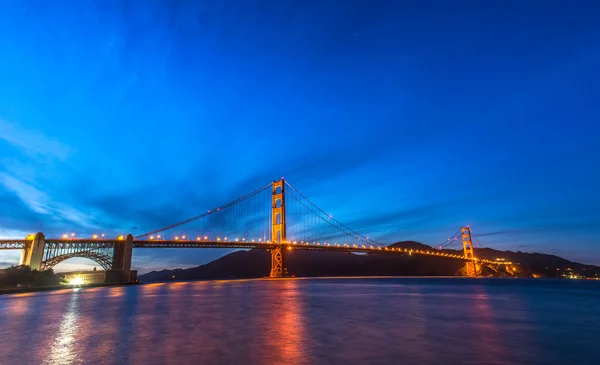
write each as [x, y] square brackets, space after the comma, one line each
[404, 119]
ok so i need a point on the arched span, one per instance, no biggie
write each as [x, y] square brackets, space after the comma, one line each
[102, 259]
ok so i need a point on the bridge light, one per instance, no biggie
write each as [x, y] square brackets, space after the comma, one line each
[252, 240]
[102, 234]
[157, 236]
[182, 237]
[64, 235]
[72, 234]
[205, 237]
[198, 239]
[95, 236]
[151, 237]
[236, 240]
[176, 238]
[120, 238]
[225, 238]
[218, 239]
[260, 240]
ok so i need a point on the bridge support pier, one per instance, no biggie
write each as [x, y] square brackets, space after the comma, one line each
[33, 252]
[278, 269]
[121, 267]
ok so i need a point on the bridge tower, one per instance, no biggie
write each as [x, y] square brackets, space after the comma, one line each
[278, 236]
[470, 266]
[33, 252]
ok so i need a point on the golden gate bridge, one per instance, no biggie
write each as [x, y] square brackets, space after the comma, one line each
[276, 217]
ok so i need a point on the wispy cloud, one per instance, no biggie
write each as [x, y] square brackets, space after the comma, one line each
[32, 142]
[561, 226]
[13, 233]
[39, 202]
[36, 200]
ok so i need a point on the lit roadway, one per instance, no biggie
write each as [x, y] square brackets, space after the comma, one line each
[12, 244]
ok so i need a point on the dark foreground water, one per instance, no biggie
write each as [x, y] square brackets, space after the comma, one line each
[320, 321]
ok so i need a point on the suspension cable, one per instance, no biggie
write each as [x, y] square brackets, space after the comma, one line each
[330, 217]
[212, 211]
[345, 229]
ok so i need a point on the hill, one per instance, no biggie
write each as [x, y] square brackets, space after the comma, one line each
[256, 264]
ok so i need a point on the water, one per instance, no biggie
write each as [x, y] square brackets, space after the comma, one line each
[317, 321]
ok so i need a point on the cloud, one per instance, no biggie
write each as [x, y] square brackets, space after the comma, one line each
[32, 142]
[333, 162]
[36, 200]
[40, 203]
[13, 233]
[563, 226]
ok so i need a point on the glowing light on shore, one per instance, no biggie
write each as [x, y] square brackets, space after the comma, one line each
[76, 281]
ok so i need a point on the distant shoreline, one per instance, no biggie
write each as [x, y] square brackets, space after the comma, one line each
[54, 288]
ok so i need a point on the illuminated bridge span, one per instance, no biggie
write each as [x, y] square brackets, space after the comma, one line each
[277, 218]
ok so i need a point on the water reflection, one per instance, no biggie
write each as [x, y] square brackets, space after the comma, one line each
[286, 326]
[486, 329]
[63, 349]
[374, 321]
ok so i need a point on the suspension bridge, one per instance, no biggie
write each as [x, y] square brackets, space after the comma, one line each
[276, 217]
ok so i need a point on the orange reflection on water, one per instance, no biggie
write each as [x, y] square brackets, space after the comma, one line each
[153, 285]
[18, 306]
[116, 292]
[286, 331]
[23, 295]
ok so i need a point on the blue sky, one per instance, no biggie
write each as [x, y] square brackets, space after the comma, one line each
[405, 119]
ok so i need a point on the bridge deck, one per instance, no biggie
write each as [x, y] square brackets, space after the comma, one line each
[93, 243]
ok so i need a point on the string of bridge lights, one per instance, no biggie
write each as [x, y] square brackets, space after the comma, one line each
[303, 245]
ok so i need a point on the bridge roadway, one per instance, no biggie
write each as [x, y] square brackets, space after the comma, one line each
[88, 244]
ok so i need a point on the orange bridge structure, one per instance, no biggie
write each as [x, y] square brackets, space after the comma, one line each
[276, 217]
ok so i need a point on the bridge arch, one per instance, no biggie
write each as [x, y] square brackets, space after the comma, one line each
[104, 260]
